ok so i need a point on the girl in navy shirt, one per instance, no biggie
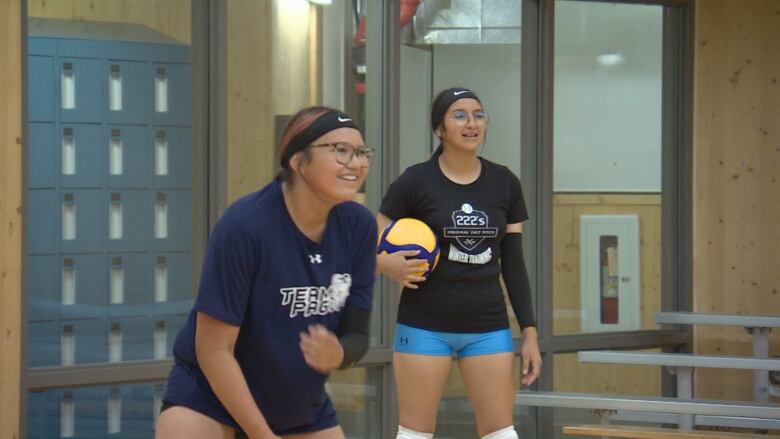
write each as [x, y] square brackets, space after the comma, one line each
[284, 297]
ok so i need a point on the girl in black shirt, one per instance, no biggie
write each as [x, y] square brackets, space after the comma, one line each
[476, 208]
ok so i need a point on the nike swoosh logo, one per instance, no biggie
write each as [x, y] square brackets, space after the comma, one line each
[346, 119]
[460, 92]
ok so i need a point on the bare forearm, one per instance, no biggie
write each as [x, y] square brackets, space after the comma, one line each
[228, 382]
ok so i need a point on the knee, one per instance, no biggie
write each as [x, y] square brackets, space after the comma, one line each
[504, 433]
[406, 433]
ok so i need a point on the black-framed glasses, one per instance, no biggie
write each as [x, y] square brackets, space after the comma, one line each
[461, 118]
[345, 151]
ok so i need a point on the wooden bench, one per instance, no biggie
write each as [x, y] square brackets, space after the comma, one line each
[632, 432]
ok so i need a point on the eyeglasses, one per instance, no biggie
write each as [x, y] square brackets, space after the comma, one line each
[462, 118]
[346, 151]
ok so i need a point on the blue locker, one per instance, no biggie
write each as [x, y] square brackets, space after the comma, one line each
[172, 325]
[43, 347]
[40, 88]
[172, 228]
[134, 148]
[42, 226]
[89, 341]
[91, 407]
[43, 288]
[129, 99]
[178, 297]
[82, 155]
[83, 286]
[43, 414]
[42, 156]
[137, 284]
[137, 411]
[136, 220]
[172, 99]
[83, 216]
[172, 158]
[136, 337]
[81, 89]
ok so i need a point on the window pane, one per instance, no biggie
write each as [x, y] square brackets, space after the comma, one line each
[607, 166]
[115, 219]
[128, 411]
[357, 400]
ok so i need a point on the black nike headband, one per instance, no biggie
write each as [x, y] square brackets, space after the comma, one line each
[331, 120]
[445, 99]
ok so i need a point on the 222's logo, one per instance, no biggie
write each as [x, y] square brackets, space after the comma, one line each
[470, 227]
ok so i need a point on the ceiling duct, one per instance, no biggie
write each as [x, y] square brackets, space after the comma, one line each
[465, 22]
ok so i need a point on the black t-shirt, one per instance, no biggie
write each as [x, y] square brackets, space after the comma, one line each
[463, 293]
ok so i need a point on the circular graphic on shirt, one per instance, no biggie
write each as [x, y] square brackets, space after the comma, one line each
[466, 208]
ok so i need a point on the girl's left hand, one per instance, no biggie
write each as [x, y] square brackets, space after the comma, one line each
[321, 349]
[532, 359]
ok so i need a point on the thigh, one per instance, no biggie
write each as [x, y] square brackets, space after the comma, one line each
[180, 422]
[420, 381]
[490, 382]
[329, 433]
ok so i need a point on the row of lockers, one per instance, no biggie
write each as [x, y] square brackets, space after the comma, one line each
[96, 156]
[113, 284]
[81, 81]
[93, 220]
[113, 340]
[117, 412]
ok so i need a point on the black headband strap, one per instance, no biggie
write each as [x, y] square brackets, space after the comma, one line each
[324, 124]
[445, 100]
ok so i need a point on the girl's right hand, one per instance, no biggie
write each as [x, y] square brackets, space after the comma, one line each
[402, 267]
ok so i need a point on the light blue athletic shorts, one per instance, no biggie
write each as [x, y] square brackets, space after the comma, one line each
[409, 340]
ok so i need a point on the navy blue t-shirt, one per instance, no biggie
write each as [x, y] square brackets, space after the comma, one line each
[262, 274]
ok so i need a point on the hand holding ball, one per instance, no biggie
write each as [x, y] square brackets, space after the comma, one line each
[410, 234]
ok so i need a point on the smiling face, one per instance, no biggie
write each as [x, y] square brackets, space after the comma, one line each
[331, 181]
[463, 126]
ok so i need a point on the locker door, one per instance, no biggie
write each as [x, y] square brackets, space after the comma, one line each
[42, 156]
[136, 339]
[172, 94]
[129, 149]
[83, 341]
[43, 414]
[172, 228]
[82, 156]
[43, 288]
[130, 285]
[137, 411]
[172, 283]
[82, 90]
[83, 221]
[43, 344]
[83, 286]
[129, 220]
[129, 92]
[172, 158]
[42, 221]
[91, 408]
[40, 88]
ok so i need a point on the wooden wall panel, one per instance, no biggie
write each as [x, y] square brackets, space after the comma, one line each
[251, 161]
[567, 209]
[736, 178]
[171, 17]
[10, 216]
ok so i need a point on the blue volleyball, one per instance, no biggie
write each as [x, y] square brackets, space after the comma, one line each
[411, 234]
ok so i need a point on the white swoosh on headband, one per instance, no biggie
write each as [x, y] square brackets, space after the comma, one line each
[344, 120]
[460, 92]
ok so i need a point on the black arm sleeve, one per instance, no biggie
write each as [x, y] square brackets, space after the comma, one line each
[516, 280]
[353, 334]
